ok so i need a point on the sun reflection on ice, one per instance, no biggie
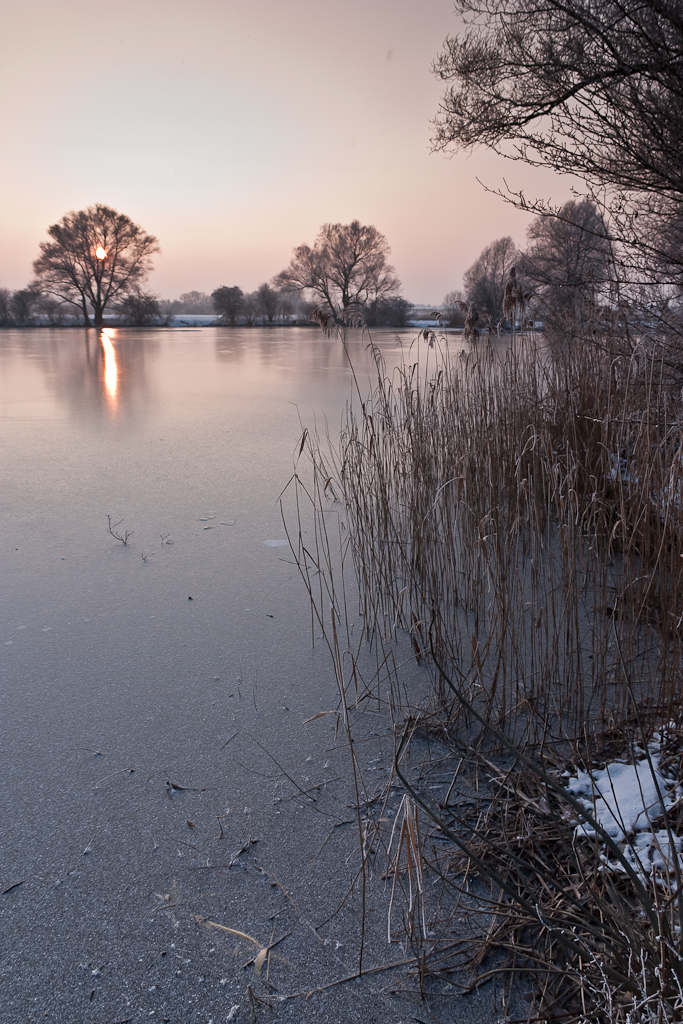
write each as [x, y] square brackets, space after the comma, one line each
[111, 371]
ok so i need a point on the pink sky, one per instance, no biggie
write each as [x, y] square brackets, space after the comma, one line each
[232, 129]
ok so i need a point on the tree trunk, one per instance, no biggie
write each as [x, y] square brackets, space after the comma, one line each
[86, 318]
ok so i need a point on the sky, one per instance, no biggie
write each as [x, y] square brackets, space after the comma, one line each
[233, 129]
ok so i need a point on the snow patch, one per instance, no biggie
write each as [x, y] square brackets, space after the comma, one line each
[623, 798]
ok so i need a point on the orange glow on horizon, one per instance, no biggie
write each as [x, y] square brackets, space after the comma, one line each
[111, 371]
[101, 253]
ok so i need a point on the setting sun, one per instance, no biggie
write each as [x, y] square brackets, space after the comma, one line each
[101, 253]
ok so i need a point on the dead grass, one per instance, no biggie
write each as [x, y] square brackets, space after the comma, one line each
[519, 509]
[516, 512]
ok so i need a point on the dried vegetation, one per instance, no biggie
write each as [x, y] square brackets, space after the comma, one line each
[514, 511]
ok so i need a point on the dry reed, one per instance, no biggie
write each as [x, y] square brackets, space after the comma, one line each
[524, 511]
[516, 512]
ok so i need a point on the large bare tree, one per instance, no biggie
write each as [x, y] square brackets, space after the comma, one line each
[346, 268]
[587, 87]
[94, 258]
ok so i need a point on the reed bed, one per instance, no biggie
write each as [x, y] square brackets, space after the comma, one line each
[515, 511]
[526, 514]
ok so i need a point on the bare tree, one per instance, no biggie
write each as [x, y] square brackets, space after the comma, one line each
[140, 309]
[268, 301]
[346, 268]
[53, 310]
[288, 305]
[24, 305]
[228, 303]
[485, 280]
[250, 308]
[169, 307]
[453, 302]
[568, 257]
[194, 302]
[94, 258]
[5, 310]
[592, 89]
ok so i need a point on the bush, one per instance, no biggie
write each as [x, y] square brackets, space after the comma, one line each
[390, 312]
[228, 302]
[140, 309]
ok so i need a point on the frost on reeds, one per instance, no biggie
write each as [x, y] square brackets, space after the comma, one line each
[516, 512]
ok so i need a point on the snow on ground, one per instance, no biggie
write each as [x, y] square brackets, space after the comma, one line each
[623, 798]
[192, 320]
[650, 850]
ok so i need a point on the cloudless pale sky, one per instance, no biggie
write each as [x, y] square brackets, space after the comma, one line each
[232, 129]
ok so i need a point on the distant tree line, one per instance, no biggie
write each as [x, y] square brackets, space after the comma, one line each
[97, 259]
[265, 305]
[269, 305]
[228, 305]
[28, 307]
[564, 266]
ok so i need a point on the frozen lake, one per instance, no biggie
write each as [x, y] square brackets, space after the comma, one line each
[148, 690]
